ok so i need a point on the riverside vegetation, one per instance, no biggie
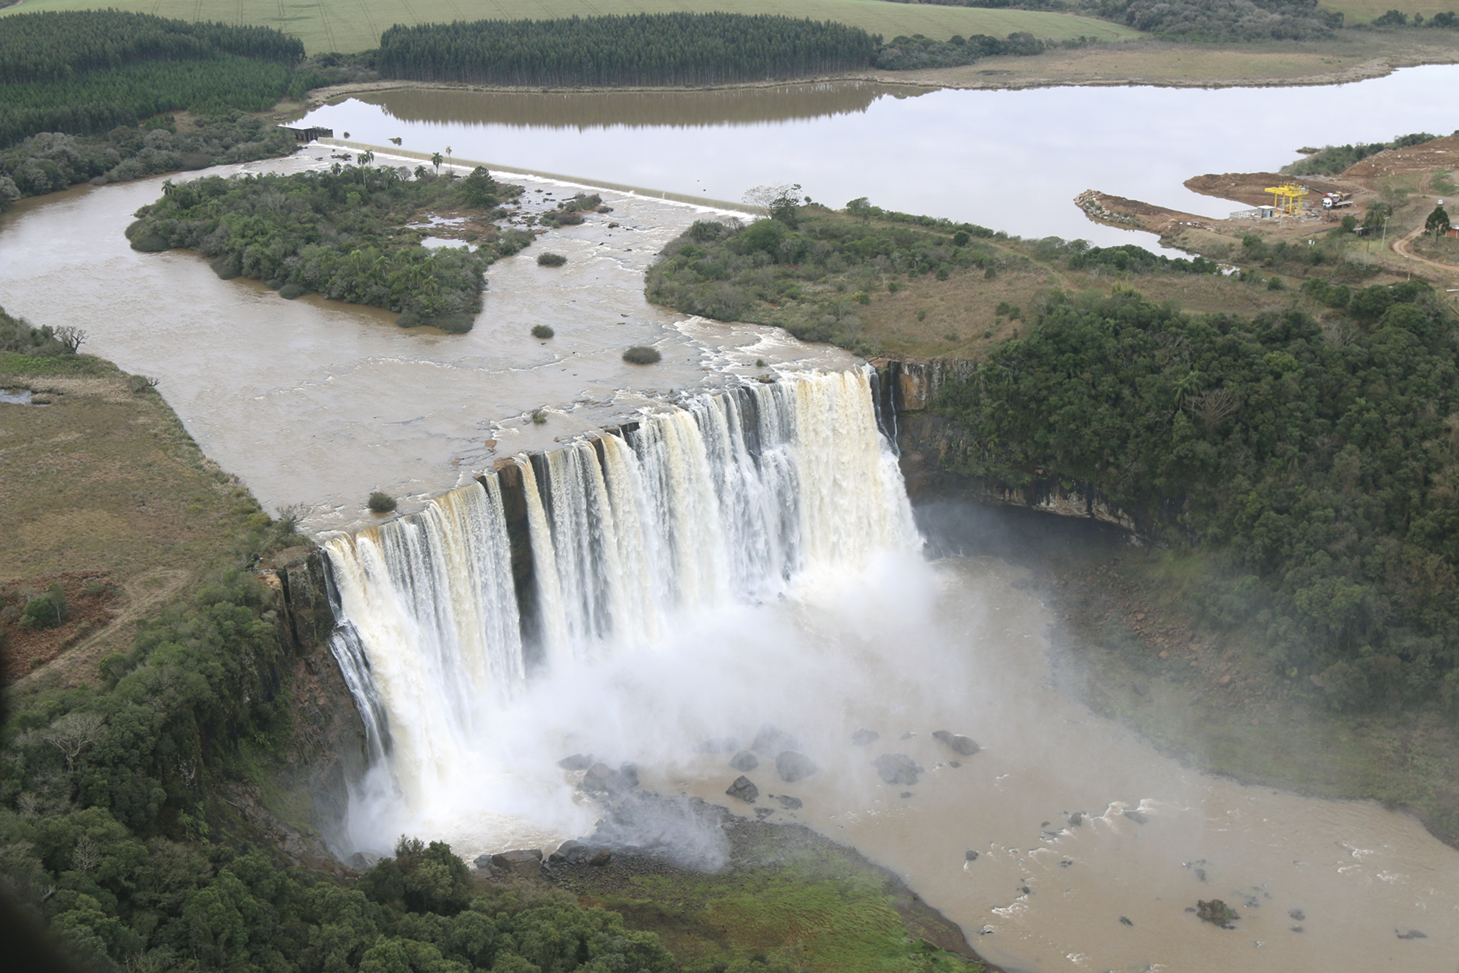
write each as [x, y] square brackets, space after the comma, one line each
[341, 233]
[125, 765]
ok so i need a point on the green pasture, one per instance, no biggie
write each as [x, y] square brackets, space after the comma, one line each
[1363, 11]
[355, 25]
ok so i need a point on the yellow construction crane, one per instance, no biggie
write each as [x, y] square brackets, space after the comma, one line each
[1288, 198]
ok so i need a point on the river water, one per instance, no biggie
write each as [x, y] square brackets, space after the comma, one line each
[316, 403]
[1009, 160]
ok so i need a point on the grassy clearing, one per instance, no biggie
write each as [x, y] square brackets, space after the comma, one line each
[1353, 56]
[104, 477]
[1364, 11]
[327, 26]
[792, 900]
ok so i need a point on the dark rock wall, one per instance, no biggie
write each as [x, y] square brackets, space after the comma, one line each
[932, 448]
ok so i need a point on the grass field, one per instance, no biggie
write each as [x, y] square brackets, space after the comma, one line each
[1363, 11]
[355, 25]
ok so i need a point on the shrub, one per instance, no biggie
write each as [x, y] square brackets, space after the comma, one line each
[539, 416]
[228, 266]
[542, 331]
[550, 260]
[453, 323]
[290, 291]
[642, 355]
[46, 610]
[380, 503]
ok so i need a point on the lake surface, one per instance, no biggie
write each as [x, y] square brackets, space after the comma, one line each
[1009, 160]
[314, 403]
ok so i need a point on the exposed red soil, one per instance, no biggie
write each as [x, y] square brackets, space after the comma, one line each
[93, 602]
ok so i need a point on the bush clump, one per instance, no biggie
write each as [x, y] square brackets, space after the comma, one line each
[380, 503]
[46, 610]
[290, 291]
[550, 260]
[542, 331]
[642, 355]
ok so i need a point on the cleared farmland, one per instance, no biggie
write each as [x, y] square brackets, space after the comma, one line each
[356, 25]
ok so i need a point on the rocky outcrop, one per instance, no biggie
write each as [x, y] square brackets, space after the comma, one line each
[327, 751]
[932, 449]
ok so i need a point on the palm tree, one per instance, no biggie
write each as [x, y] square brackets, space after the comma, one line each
[436, 160]
[366, 157]
[420, 171]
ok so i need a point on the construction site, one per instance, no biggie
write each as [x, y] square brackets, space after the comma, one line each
[1375, 212]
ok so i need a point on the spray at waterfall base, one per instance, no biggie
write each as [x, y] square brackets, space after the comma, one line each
[682, 573]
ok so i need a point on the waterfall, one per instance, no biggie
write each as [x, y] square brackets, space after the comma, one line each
[731, 499]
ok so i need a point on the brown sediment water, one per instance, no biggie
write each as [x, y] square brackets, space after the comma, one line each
[1319, 885]
[315, 403]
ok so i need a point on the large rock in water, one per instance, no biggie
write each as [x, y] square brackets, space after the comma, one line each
[602, 779]
[772, 739]
[864, 737]
[744, 789]
[744, 761]
[963, 745]
[578, 761]
[794, 766]
[897, 768]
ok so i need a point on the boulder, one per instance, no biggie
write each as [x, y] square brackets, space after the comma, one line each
[602, 779]
[744, 761]
[600, 858]
[963, 745]
[527, 861]
[482, 864]
[971, 856]
[744, 789]
[1217, 913]
[578, 761]
[571, 851]
[1139, 817]
[790, 803]
[772, 739]
[897, 768]
[793, 766]
[864, 738]
[1076, 819]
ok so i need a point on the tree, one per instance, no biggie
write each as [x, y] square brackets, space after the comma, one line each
[777, 202]
[366, 157]
[436, 160]
[72, 337]
[1438, 222]
[479, 189]
[73, 733]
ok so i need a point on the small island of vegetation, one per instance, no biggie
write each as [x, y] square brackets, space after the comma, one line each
[342, 233]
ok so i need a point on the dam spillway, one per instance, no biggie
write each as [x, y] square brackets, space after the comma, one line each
[729, 500]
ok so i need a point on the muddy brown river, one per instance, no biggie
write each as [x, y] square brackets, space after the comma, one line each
[315, 404]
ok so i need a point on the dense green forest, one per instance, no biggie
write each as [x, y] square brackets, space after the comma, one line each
[809, 269]
[1319, 462]
[50, 161]
[341, 233]
[647, 49]
[88, 72]
[1222, 20]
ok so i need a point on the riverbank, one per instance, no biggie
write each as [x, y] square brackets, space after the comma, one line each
[1353, 57]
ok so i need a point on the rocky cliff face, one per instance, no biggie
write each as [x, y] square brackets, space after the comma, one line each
[932, 448]
[326, 753]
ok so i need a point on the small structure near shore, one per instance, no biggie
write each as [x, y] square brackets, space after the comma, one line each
[310, 134]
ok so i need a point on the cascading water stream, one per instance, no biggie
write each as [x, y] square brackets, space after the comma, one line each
[728, 501]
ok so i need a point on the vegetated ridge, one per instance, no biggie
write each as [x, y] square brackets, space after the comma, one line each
[341, 233]
[87, 72]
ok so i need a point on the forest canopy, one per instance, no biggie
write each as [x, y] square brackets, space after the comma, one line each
[1320, 462]
[340, 232]
[88, 72]
[646, 49]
